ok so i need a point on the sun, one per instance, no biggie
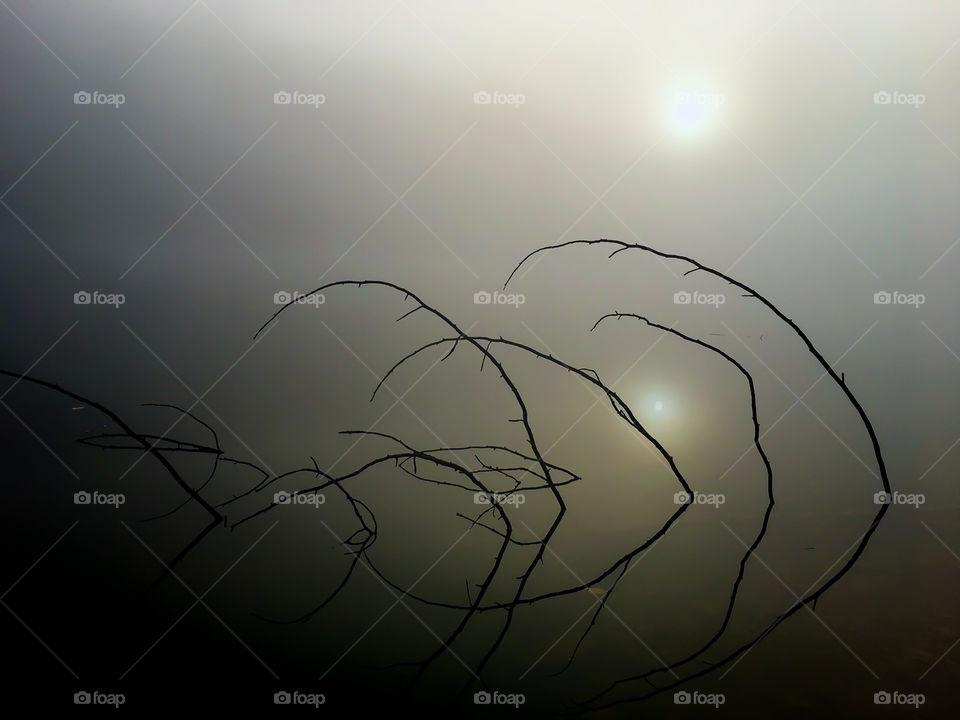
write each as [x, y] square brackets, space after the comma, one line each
[657, 403]
[692, 108]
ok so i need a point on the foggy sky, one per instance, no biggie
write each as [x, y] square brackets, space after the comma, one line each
[799, 184]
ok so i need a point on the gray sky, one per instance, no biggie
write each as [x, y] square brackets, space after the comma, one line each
[809, 150]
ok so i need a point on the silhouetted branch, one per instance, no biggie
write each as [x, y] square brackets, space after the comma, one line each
[748, 292]
[499, 472]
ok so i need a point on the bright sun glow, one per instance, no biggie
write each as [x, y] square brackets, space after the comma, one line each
[657, 403]
[692, 108]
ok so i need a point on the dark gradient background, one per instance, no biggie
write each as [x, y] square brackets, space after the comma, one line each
[199, 198]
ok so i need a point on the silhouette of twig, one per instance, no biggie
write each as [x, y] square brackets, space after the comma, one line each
[500, 473]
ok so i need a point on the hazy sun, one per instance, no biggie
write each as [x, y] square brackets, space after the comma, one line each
[657, 403]
[692, 108]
